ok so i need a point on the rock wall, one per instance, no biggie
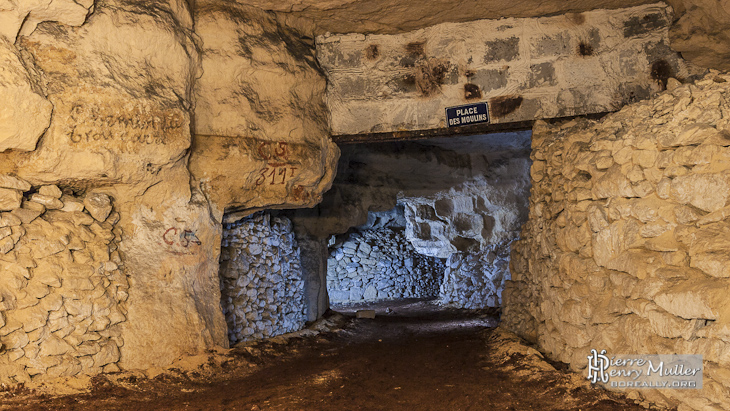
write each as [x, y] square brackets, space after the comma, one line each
[476, 280]
[261, 131]
[22, 18]
[121, 112]
[701, 32]
[626, 244]
[26, 113]
[262, 290]
[489, 209]
[63, 294]
[380, 264]
[171, 254]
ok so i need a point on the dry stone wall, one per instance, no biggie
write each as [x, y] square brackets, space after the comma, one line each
[476, 280]
[262, 290]
[63, 291]
[626, 245]
[380, 264]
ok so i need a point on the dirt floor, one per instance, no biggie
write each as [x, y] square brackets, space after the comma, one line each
[412, 356]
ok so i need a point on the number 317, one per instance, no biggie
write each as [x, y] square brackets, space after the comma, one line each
[275, 175]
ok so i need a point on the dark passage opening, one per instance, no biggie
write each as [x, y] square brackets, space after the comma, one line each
[430, 219]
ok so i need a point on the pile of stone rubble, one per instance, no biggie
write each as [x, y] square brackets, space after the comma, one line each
[381, 264]
[476, 280]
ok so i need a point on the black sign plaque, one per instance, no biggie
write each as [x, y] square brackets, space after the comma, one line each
[467, 114]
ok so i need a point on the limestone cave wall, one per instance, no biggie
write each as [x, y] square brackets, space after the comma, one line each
[261, 126]
[626, 244]
[63, 290]
[121, 98]
[262, 289]
[485, 210]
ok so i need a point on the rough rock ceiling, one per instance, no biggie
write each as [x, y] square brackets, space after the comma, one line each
[392, 16]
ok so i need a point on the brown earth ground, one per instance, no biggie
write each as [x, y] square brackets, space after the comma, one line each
[412, 356]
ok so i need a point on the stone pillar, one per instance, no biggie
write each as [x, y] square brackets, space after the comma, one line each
[314, 272]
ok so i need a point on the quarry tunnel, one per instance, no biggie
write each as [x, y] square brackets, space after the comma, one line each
[201, 194]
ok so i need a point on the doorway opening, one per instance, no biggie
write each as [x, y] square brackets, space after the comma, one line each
[460, 202]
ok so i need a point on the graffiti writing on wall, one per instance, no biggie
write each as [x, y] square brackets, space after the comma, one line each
[179, 239]
[278, 169]
[138, 125]
[275, 173]
[300, 193]
[278, 151]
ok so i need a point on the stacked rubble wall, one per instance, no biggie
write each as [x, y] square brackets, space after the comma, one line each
[262, 290]
[63, 291]
[381, 264]
[626, 248]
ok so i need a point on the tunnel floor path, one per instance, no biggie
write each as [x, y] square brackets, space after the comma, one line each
[412, 356]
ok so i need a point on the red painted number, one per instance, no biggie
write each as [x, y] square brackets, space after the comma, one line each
[275, 175]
